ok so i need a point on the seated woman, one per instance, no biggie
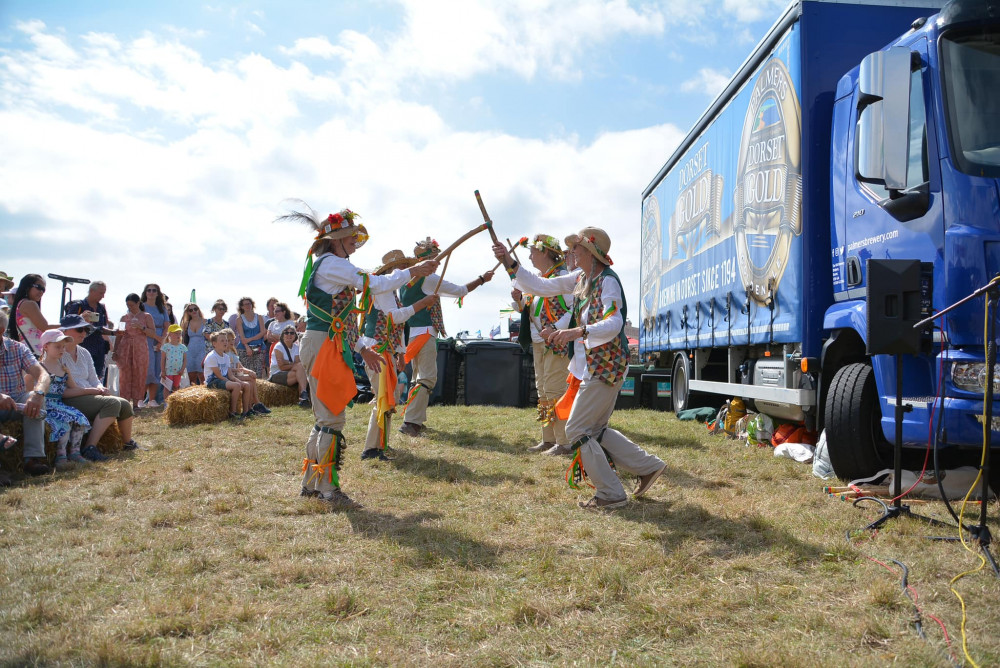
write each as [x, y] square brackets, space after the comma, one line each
[27, 324]
[243, 374]
[94, 400]
[286, 368]
[282, 318]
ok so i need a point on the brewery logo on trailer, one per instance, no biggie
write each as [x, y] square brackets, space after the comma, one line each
[697, 219]
[652, 250]
[768, 211]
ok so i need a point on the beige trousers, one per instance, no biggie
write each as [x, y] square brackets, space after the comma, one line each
[371, 439]
[425, 374]
[550, 381]
[320, 438]
[589, 419]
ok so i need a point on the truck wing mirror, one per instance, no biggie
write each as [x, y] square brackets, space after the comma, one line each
[882, 147]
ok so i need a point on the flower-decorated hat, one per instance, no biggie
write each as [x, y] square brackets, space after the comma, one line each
[595, 240]
[544, 242]
[425, 249]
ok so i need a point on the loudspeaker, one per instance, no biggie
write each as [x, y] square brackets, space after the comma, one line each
[895, 300]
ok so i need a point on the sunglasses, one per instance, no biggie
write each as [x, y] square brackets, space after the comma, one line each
[151, 290]
[40, 288]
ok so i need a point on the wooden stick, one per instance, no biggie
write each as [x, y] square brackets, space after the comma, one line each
[486, 218]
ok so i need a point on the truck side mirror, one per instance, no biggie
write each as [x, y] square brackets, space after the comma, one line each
[882, 146]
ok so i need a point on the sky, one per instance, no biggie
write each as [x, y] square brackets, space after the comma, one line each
[156, 142]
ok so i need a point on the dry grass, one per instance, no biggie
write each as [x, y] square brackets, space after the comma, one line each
[470, 551]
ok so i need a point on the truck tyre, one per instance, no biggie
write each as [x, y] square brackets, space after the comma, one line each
[679, 394]
[853, 430]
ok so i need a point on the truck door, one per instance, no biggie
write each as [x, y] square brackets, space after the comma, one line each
[904, 224]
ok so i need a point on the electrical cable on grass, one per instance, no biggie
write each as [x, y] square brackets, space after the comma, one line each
[909, 590]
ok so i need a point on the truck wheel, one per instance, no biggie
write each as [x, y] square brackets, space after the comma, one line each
[679, 395]
[853, 430]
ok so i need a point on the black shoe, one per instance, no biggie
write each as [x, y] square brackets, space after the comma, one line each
[93, 454]
[36, 466]
[375, 453]
[131, 445]
[260, 409]
[309, 492]
[305, 403]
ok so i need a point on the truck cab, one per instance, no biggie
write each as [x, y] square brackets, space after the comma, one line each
[915, 174]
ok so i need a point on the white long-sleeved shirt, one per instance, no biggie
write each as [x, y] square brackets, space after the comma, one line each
[82, 369]
[386, 302]
[598, 333]
[448, 289]
[337, 273]
[534, 315]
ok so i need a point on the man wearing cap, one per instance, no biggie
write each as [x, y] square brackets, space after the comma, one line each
[16, 362]
[330, 285]
[93, 311]
[95, 401]
[540, 316]
[598, 368]
[383, 331]
[421, 349]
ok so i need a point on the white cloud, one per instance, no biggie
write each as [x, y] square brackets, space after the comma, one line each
[190, 204]
[747, 12]
[706, 81]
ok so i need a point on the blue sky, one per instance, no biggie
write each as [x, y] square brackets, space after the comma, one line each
[154, 142]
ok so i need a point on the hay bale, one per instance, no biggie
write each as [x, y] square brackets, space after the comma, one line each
[11, 460]
[197, 405]
[272, 394]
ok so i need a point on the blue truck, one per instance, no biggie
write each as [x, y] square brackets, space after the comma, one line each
[855, 131]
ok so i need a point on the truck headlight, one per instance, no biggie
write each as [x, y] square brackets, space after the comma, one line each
[971, 376]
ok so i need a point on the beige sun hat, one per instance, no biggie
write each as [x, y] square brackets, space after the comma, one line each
[595, 240]
[6, 282]
[395, 259]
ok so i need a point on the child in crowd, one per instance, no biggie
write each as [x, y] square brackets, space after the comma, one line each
[244, 375]
[173, 359]
[67, 425]
[286, 368]
[220, 375]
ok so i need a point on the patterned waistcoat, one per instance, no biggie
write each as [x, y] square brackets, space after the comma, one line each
[431, 316]
[331, 313]
[548, 310]
[377, 327]
[608, 361]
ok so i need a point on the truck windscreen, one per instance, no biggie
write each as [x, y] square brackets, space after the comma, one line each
[971, 73]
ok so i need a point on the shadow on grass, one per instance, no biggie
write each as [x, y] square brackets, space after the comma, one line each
[467, 438]
[439, 468]
[432, 545]
[728, 537]
[660, 438]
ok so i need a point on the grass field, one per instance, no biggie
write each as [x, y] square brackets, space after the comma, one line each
[198, 551]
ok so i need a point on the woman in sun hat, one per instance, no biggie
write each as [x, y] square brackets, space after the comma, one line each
[383, 331]
[540, 316]
[598, 367]
[330, 285]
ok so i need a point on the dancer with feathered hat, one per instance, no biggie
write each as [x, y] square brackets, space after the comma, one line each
[330, 286]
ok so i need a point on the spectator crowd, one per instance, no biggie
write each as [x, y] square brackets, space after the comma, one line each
[58, 374]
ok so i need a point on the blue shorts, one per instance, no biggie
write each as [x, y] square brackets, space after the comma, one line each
[217, 383]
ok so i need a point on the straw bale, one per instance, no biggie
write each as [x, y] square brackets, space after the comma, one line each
[11, 460]
[272, 394]
[197, 405]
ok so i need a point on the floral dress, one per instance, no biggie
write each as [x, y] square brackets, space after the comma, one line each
[132, 358]
[58, 415]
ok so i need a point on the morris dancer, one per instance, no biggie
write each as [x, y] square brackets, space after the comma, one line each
[424, 329]
[383, 331]
[546, 314]
[330, 287]
[597, 369]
